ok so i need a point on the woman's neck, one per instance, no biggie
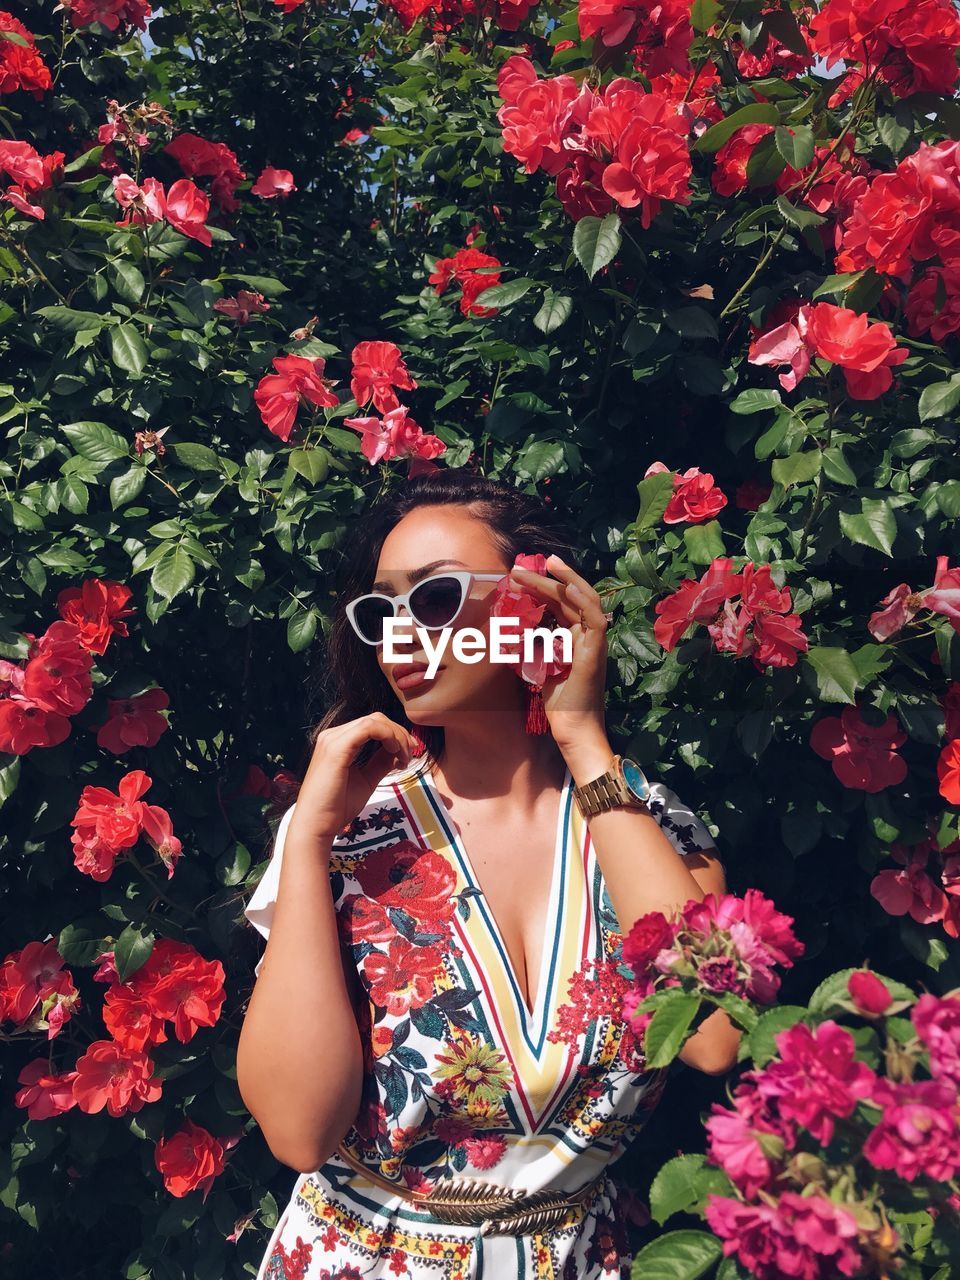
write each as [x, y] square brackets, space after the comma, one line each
[490, 756]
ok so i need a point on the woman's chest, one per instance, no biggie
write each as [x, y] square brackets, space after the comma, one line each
[459, 1060]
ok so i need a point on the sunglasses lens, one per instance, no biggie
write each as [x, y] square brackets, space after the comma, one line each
[369, 616]
[435, 603]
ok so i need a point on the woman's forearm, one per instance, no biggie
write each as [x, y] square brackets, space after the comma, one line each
[643, 873]
[299, 1060]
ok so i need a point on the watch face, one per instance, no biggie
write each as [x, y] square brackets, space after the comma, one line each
[635, 779]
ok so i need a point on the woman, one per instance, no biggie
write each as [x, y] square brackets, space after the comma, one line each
[427, 913]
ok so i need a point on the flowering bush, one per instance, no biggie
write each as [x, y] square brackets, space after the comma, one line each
[839, 1151]
[687, 270]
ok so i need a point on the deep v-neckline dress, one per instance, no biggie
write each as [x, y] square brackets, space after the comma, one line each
[461, 1079]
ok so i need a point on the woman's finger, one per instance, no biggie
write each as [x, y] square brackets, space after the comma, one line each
[571, 591]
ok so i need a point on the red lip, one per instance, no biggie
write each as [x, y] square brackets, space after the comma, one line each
[412, 675]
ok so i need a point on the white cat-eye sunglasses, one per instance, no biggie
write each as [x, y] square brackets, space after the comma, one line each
[433, 603]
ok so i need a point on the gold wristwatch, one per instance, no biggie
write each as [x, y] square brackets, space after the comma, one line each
[623, 786]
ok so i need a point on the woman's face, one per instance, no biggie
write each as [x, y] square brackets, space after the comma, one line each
[446, 537]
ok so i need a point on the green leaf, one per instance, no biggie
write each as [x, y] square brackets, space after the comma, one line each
[762, 1039]
[70, 321]
[556, 308]
[655, 492]
[676, 1255]
[96, 441]
[542, 458]
[596, 242]
[198, 457]
[692, 322]
[131, 950]
[721, 132]
[704, 542]
[798, 468]
[313, 464]
[301, 630]
[127, 349]
[703, 14]
[174, 573]
[85, 160]
[798, 216]
[233, 866]
[124, 488]
[9, 776]
[127, 280]
[667, 1029]
[837, 676]
[875, 525]
[755, 400]
[764, 164]
[795, 144]
[504, 295]
[940, 398]
[682, 1184]
[267, 285]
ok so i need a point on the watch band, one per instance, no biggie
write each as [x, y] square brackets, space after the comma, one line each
[609, 791]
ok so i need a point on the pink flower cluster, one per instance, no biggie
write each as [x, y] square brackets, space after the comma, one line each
[617, 146]
[36, 991]
[184, 206]
[925, 885]
[760, 625]
[107, 824]
[29, 174]
[721, 944]
[816, 1091]
[696, 497]
[865, 351]
[378, 372]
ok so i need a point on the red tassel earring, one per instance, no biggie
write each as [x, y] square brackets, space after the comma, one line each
[536, 718]
[419, 746]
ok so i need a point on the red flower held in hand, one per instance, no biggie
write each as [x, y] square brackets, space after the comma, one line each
[190, 1159]
[377, 369]
[133, 722]
[863, 756]
[297, 380]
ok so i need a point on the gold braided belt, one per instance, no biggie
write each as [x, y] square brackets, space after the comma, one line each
[468, 1202]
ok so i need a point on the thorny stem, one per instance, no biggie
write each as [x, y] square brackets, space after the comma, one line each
[802, 191]
[706, 58]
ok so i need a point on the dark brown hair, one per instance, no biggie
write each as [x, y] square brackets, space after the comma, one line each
[348, 679]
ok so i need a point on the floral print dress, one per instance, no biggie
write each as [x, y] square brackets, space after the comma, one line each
[461, 1078]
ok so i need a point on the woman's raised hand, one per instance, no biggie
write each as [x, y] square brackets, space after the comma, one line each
[335, 788]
